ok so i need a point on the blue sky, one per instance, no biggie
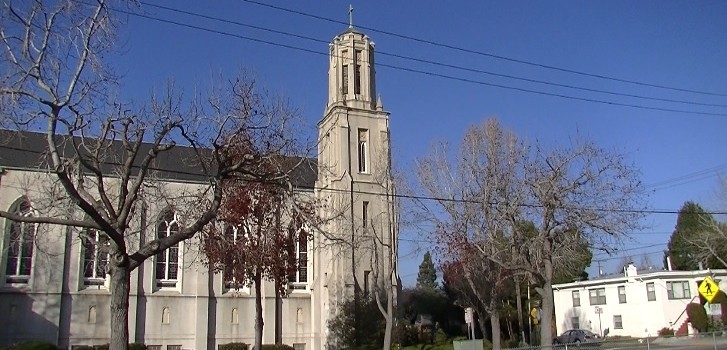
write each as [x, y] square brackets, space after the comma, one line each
[669, 43]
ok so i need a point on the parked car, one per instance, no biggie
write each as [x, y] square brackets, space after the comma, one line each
[577, 336]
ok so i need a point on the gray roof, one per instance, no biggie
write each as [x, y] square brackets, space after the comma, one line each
[29, 150]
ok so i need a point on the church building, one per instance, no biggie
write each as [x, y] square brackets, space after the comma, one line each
[53, 286]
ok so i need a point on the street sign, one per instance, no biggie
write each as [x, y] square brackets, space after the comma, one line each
[599, 310]
[708, 289]
[468, 315]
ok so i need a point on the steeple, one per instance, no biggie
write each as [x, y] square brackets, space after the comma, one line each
[351, 74]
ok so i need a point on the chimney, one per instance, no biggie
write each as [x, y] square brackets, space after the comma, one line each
[668, 263]
[631, 270]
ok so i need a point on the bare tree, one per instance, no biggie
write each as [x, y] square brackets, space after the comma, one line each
[577, 192]
[478, 197]
[107, 159]
[578, 196]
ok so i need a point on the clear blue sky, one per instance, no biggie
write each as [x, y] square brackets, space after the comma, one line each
[670, 43]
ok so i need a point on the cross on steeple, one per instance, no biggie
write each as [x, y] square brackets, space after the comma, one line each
[350, 16]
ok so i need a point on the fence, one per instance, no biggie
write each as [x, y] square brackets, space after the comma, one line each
[703, 341]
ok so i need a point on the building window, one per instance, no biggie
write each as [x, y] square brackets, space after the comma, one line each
[622, 294]
[167, 262]
[617, 322]
[678, 290]
[357, 74]
[20, 246]
[95, 257]
[365, 213]
[363, 149]
[344, 78]
[153, 347]
[366, 282]
[235, 317]
[650, 292]
[576, 298]
[301, 258]
[575, 322]
[597, 296]
[232, 234]
[165, 315]
[174, 347]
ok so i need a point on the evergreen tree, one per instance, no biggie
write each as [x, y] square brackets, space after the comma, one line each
[692, 221]
[427, 277]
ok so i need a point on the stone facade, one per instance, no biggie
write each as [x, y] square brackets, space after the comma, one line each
[51, 290]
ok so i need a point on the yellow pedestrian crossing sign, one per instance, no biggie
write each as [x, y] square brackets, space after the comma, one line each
[708, 289]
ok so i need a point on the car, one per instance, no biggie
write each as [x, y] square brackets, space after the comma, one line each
[577, 336]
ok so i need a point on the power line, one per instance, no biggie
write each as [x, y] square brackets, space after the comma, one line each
[616, 251]
[688, 178]
[396, 195]
[457, 67]
[481, 53]
[423, 72]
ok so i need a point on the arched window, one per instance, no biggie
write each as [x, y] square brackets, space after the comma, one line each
[301, 257]
[167, 262]
[232, 235]
[235, 318]
[363, 149]
[95, 257]
[92, 314]
[20, 244]
[165, 315]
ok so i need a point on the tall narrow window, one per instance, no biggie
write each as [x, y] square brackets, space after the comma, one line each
[622, 294]
[344, 78]
[232, 235]
[576, 298]
[365, 213]
[301, 257]
[20, 246]
[95, 257]
[167, 262]
[363, 149]
[357, 74]
[366, 282]
[650, 292]
[618, 322]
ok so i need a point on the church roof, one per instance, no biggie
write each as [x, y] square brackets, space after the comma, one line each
[29, 150]
[351, 30]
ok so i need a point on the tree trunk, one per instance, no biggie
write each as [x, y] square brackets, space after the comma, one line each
[483, 325]
[258, 312]
[119, 284]
[495, 323]
[389, 318]
[546, 305]
[518, 304]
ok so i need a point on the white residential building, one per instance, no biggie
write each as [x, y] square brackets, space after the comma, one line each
[632, 304]
[56, 290]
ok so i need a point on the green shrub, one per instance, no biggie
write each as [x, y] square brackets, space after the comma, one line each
[697, 316]
[486, 344]
[233, 346]
[276, 347]
[440, 338]
[83, 347]
[33, 345]
[101, 347]
[666, 332]
[137, 346]
[510, 344]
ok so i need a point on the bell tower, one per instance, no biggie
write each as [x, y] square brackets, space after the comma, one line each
[354, 176]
